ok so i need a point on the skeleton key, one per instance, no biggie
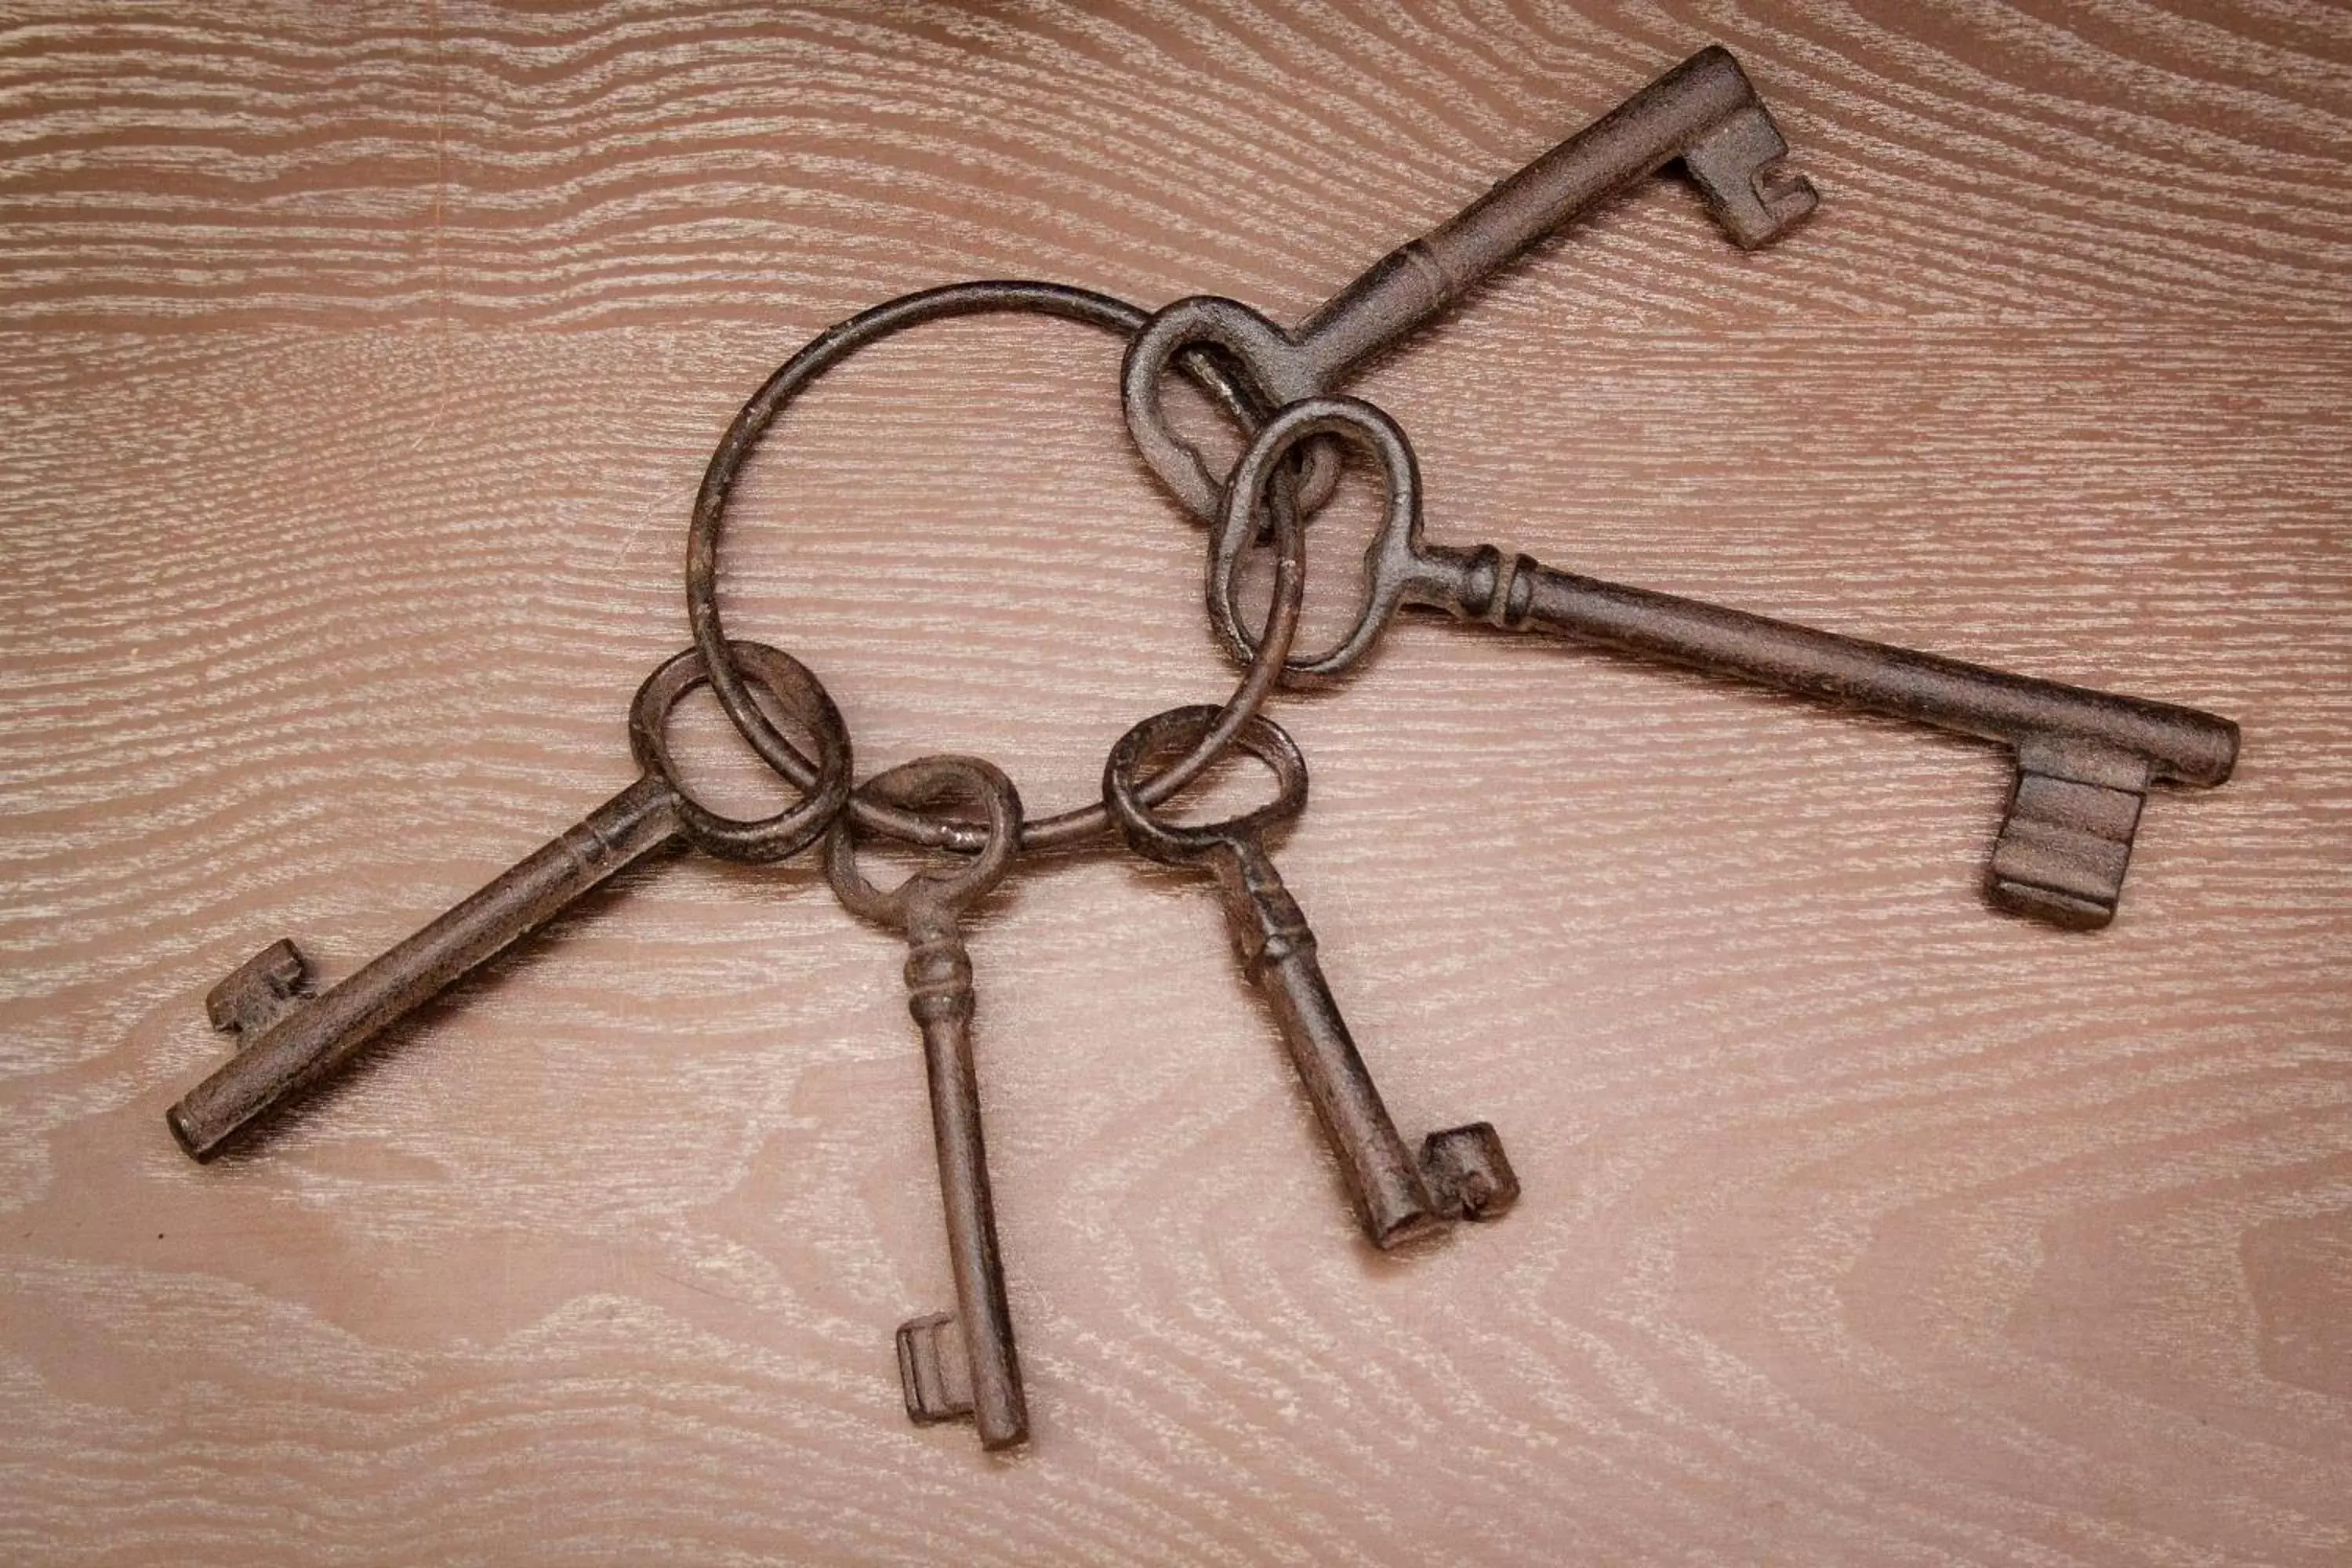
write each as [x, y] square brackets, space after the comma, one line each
[1461, 1172]
[962, 1363]
[1705, 111]
[2085, 759]
[289, 1040]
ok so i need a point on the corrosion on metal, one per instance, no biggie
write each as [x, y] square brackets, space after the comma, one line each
[2085, 759]
[960, 1364]
[1461, 1173]
[289, 1041]
[1705, 112]
[1081, 823]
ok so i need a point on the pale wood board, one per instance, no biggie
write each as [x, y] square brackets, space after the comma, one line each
[360, 366]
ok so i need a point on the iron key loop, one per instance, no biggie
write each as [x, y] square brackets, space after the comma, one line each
[830, 349]
[2085, 759]
[1461, 1172]
[1705, 111]
[957, 1364]
[289, 1041]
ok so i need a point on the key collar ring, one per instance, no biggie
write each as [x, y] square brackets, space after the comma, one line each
[1155, 836]
[801, 694]
[829, 349]
[1392, 563]
[945, 880]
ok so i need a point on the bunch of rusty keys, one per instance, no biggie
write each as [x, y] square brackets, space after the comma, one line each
[2085, 759]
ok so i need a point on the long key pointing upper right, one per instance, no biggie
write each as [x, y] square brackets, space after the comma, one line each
[289, 1041]
[1705, 112]
[2085, 759]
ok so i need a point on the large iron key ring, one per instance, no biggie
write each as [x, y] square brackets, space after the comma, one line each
[2085, 758]
[829, 349]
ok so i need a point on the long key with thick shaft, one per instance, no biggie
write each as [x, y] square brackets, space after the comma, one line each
[1705, 112]
[289, 1041]
[960, 1364]
[1460, 1174]
[2085, 759]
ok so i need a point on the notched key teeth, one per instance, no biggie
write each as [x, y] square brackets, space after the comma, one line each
[933, 1371]
[1742, 172]
[2067, 839]
[260, 992]
[1789, 194]
[1468, 1174]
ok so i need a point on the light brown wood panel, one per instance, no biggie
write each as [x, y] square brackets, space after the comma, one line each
[177, 163]
[1861, 1225]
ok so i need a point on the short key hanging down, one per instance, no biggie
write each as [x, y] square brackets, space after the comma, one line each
[1703, 113]
[2085, 759]
[1461, 1172]
[958, 1365]
[289, 1041]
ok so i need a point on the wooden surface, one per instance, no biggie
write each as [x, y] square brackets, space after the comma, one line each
[360, 364]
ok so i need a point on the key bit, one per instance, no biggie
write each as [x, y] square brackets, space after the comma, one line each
[2067, 839]
[260, 991]
[933, 1369]
[1740, 175]
[1469, 1175]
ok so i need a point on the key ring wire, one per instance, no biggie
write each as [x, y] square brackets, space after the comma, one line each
[830, 348]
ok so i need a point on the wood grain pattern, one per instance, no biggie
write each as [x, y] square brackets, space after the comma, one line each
[362, 369]
[176, 164]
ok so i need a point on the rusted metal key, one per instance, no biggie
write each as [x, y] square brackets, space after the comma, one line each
[1461, 1172]
[960, 1364]
[288, 1040]
[2085, 759]
[1705, 112]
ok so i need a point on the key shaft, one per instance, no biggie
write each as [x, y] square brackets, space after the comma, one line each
[1516, 593]
[940, 995]
[2085, 758]
[1277, 953]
